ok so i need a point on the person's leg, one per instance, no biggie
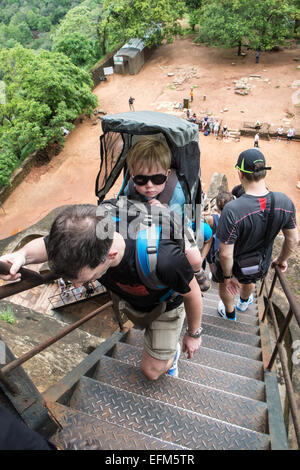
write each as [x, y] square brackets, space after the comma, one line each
[226, 297]
[153, 368]
[246, 297]
[160, 343]
[246, 290]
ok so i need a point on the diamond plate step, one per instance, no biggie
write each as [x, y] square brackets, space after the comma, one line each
[212, 298]
[228, 332]
[210, 308]
[231, 325]
[198, 373]
[225, 406]
[166, 422]
[216, 359]
[84, 432]
[211, 311]
[219, 344]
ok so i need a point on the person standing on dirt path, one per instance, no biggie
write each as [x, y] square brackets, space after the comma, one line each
[192, 95]
[256, 140]
[130, 101]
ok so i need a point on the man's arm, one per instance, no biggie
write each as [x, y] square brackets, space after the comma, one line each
[226, 260]
[193, 308]
[291, 239]
[32, 253]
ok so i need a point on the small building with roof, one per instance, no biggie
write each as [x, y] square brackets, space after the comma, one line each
[130, 58]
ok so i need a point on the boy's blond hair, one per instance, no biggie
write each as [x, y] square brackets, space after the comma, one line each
[150, 153]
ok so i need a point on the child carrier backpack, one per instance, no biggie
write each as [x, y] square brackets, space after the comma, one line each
[120, 133]
[147, 225]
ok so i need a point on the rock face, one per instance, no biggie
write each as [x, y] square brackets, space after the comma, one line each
[31, 329]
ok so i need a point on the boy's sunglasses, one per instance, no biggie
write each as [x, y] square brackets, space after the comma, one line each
[141, 180]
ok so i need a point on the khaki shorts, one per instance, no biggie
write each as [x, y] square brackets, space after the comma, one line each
[161, 337]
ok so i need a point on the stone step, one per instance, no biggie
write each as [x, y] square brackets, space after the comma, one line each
[212, 358]
[234, 409]
[81, 431]
[197, 373]
[164, 421]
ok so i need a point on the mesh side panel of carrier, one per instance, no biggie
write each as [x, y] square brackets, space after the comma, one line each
[112, 146]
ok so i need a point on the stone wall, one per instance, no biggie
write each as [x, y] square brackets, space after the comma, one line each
[97, 71]
[17, 176]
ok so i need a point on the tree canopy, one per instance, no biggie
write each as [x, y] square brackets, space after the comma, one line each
[44, 92]
[145, 19]
[29, 21]
[261, 24]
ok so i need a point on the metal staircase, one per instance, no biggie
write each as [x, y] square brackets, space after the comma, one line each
[223, 398]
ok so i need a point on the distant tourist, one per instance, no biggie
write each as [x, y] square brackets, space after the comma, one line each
[290, 134]
[256, 139]
[216, 128]
[279, 133]
[65, 131]
[131, 106]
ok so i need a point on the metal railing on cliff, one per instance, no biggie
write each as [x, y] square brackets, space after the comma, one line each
[280, 332]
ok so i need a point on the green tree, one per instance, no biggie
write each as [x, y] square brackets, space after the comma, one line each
[145, 19]
[44, 92]
[79, 48]
[78, 30]
[230, 23]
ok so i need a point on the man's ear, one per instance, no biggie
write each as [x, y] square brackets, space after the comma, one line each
[241, 176]
[112, 254]
[168, 172]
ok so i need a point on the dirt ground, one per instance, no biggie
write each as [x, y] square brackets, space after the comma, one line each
[70, 177]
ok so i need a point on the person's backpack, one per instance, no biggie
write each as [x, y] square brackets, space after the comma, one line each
[122, 131]
[147, 225]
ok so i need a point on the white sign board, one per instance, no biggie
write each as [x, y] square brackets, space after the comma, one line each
[118, 60]
[108, 70]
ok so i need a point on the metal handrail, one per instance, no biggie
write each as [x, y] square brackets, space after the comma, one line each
[279, 349]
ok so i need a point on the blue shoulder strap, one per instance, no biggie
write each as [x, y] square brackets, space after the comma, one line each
[147, 245]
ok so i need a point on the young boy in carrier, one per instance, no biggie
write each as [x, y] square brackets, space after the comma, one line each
[149, 162]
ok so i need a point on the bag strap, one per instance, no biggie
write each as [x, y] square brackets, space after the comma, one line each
[267, 237]
[166, 195]
[147, 244]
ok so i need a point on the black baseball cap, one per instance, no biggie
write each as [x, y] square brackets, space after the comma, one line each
[247, 161]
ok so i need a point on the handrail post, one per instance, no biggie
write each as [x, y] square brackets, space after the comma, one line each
[280, 338]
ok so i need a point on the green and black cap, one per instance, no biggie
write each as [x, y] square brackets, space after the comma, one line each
[248, 159]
